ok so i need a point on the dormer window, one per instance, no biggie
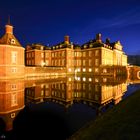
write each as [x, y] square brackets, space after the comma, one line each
[85, 46]
[13, 41]
[41, 47]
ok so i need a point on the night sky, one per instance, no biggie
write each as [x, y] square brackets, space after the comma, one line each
[48, 21]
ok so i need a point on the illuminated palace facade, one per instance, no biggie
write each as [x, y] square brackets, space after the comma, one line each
[93, 57]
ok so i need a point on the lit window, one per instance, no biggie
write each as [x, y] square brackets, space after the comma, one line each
[42, 63]
[42, 92]
[46, 86]
[96, 52]
[104, 70]
[90, 79]
[84, 69]
[14, 70]
[84, 79]
[47, 62]
[84, 86]
[69, 79]
[84, 54]
[13, 99]
[13, 87]
[96, 88]
[96, 80]
[69, 69]
[78, 78]
[52, 54]
[90, 62]
[96, 62]
[14, 57]
[96, 70]
[13, 41]
[90, 53]
[84, 62]
[90, 70]
[78, 69]
[104, 79]
[42, 55]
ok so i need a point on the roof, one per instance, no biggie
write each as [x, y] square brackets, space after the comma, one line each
[92, 44]
[37, 46]
[61, 45]
[9, 39]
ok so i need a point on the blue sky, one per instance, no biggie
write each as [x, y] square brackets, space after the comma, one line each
[48, 21]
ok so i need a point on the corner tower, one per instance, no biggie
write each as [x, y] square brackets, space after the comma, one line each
[11, 55]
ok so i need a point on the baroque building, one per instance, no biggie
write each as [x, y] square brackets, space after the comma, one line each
[94, 56]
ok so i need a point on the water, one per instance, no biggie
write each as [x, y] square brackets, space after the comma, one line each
[56, 108]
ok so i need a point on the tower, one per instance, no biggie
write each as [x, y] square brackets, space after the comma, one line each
[11, 55]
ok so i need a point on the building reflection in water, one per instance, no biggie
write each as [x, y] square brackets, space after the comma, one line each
[96, 92]
[11, 102]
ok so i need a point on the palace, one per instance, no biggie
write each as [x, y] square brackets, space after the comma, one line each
[94, 57]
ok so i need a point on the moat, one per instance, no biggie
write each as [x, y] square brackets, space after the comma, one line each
[57, 108]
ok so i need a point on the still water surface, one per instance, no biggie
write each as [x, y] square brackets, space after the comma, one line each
[56, 108]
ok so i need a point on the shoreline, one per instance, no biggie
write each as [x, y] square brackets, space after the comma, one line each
[120, 122]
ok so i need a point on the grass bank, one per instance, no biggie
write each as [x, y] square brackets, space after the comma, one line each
[122, 122]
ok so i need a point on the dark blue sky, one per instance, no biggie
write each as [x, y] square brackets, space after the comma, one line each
[47, 21]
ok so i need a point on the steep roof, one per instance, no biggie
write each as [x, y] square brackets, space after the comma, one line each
[9, 39]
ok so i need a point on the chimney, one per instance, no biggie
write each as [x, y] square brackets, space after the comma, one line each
[108, 41]
[66, 39]
[99, 37]
[8, 29]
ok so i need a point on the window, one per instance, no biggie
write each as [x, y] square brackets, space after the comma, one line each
[84, 54]
[96, 88]
[90, 53]
[13, 41]
[104, 70]
[90, 70]
[84, 86]
[47, 62]
[13, 99]
[96, 80]
[96, 62]
[13, 87]
[90, 62]
[42, 55]
[96, 52]
[96, 70]
[84, 70]
[63, 53]
[52, 54]
[14, 57]
[32, 54]
[84, 79]
[84, 62]
[14, 70]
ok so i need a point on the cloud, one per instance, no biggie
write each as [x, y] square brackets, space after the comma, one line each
[131, 17]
